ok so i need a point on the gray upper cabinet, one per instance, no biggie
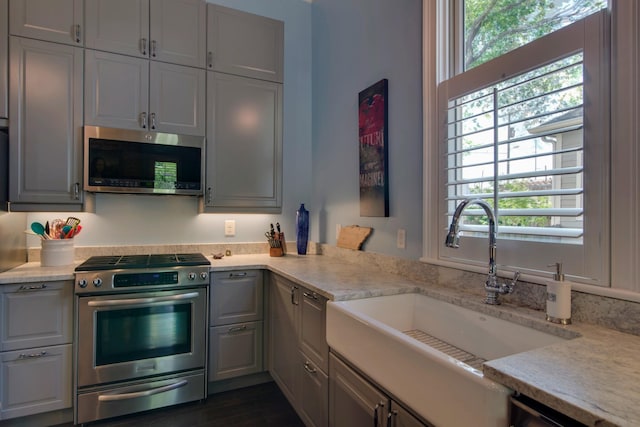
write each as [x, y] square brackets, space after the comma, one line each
[132, 93]
[59, 21]
[165, 30]
[244, 144]
[46, 124]
[245, 44]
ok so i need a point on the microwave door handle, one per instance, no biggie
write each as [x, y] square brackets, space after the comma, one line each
[135, 301]
[150, 392]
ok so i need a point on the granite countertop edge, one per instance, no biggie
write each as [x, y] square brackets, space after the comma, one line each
[592, 377]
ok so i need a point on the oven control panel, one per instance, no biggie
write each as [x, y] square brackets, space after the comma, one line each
[103, 281]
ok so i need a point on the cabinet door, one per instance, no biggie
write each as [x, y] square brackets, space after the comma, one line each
[245, 44]
[283, 336]
[119, 26]
[313, 402]
[46, 122]
[116, 90]
[177, 99]
[235, 350]
[313, 335]
[178, 31]
[4, 60]
[35, 380]
[353, 401]
[235, 297]
[244, 144]
[51, 20]
[35, 315]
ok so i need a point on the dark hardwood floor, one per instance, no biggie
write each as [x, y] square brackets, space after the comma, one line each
[260, 405]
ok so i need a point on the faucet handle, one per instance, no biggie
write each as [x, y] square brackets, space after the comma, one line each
[516, 276]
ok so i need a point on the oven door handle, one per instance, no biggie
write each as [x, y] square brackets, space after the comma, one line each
[146, 393]
[133, 301]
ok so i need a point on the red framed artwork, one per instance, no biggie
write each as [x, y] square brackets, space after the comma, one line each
[373, 142]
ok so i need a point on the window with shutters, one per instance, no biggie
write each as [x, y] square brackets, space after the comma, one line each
[527, 131]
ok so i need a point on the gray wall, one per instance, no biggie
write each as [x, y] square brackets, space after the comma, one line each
[355, 44]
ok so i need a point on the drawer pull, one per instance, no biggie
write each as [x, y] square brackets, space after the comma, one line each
[237, 329]
[311, 295]
[32, 287]
[32, 355]
[243, 274]
[309, 368]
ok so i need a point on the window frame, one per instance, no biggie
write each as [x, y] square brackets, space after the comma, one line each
[587, 263]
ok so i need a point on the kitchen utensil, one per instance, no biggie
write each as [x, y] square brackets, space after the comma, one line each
[38, 228]
[72, 221]
[66, 232]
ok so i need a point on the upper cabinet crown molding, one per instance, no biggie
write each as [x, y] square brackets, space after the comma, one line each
[245, 44]
[165, 30]
[58, 21]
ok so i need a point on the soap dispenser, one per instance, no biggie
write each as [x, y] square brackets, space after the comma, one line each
[558, 298]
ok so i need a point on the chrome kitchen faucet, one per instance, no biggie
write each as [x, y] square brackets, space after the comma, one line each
[491, 286]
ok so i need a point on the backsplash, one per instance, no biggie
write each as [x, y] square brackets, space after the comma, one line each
[608, 312]
[611, 313]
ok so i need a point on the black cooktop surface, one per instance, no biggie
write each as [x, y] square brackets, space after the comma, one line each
[142, 261]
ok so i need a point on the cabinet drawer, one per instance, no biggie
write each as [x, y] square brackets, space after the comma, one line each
[35, 315]
[235, 350]
[313, 336]
[35, 381]
[236, 297]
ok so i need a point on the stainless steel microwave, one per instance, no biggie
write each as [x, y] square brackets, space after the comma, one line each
[131, 161]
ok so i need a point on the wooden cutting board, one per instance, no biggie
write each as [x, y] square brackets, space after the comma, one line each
[353, 236]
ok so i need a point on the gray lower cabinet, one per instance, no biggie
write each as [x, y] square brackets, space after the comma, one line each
[45, 136]
[355, 402]
[244, 145]
[35, 348]
[298, 348]
[236, 324]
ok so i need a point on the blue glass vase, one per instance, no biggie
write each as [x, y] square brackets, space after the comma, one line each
[302, 229]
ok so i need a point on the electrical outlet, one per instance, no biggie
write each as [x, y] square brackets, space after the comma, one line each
[229, 227]
[401, 238]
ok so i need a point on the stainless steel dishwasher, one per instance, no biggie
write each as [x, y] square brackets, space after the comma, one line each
[526, 412]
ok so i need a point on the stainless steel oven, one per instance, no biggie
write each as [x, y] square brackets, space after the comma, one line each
[141, 338]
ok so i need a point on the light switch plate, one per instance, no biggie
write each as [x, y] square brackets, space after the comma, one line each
[229, 227]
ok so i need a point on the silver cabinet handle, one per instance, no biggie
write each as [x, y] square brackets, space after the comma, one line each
[143, 120]
[391, 418]
[311, 295]
[24, 288]
[151, 392]
[76, 191]
[209, 195]
[153, 48]
[32, 355]
[134, 301]
[309, 368]
[293, 295]
[143, 46]
[243, 274]
[153, 120]
[376, 411]
[210, 59]
[77, 32]
[234, 329]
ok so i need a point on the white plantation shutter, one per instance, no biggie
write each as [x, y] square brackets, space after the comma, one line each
[528, 133]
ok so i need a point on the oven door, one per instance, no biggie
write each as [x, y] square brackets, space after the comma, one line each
[137, 335]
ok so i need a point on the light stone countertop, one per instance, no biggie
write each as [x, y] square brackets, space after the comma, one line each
[593, 377]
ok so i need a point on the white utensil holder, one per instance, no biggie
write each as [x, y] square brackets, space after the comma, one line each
[56, 252]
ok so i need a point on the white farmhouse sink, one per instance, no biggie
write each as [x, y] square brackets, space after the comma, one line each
[393, 340]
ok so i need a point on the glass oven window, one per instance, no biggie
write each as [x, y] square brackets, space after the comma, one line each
[141, 333]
